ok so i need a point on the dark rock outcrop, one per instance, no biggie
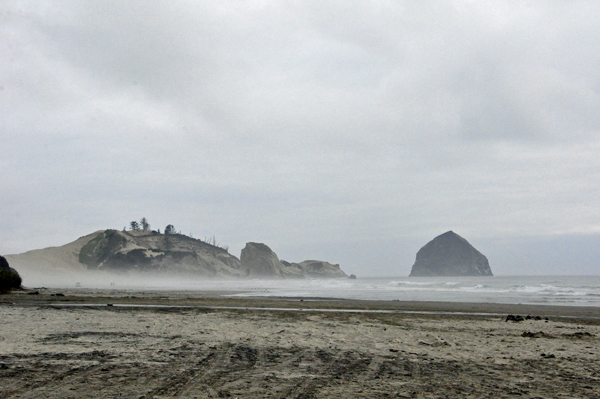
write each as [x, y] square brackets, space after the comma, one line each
[259, 260]
[4, 264]
[121, 251]
[9, 277]
[450, 255]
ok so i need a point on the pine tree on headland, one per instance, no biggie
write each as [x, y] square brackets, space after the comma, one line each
[170, 229]
[134, 225]
[144, 224]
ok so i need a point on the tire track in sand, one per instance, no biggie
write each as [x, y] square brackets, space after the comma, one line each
[336, 367]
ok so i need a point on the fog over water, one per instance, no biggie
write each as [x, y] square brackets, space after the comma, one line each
[350, 132]
[543, 290]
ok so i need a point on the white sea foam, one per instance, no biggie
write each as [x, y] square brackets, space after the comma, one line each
[568, 290]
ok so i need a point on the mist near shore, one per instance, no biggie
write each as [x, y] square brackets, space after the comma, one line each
[540, 290]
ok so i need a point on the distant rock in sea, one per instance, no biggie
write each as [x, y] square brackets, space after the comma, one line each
[450, 255]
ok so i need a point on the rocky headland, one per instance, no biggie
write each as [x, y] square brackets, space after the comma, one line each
[145, 252]
[450, 255]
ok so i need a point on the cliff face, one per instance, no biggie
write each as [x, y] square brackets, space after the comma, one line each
[258, 260]
[450, 255]
[122, 251]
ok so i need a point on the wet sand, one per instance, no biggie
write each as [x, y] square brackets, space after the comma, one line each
[203, 345]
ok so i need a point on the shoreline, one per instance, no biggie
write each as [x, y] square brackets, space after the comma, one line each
[224, 300]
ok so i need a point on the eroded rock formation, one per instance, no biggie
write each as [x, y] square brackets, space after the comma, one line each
[132, 252]
[146, 251]
[320, 269]
[259, 260]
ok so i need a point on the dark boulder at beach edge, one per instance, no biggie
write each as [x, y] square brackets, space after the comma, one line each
[450, 255]
[9, 278]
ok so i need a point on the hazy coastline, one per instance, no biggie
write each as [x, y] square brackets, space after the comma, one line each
[541, 290]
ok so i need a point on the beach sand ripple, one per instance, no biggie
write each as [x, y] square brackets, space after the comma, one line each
[118, 352]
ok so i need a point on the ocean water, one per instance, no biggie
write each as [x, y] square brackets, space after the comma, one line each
[546, 290]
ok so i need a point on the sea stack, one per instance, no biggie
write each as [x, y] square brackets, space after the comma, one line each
[260, 261]
[450, 255]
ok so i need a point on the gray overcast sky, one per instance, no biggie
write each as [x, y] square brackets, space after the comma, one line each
[347, 131]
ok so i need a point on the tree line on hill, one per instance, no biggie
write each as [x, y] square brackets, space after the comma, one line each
[144, 225]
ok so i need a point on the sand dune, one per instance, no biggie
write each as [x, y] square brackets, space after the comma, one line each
[63, 259]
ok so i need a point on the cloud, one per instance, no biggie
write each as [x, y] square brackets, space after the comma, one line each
[299, 123]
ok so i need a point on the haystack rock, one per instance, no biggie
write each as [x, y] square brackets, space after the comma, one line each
[260, 261]
[450, 255]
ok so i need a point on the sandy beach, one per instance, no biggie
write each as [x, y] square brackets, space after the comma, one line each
[204, 345]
